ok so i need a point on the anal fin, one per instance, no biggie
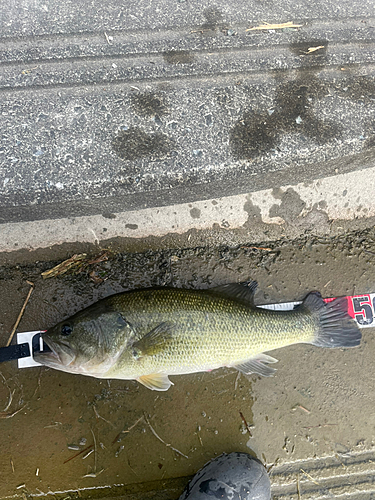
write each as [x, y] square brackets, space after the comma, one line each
[258, 365]
[155, 381]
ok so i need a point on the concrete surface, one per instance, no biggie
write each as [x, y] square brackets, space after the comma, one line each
[194, 153]
[134, 113]
[323, 206]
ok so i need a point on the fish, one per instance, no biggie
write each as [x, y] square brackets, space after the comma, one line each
[153, 333]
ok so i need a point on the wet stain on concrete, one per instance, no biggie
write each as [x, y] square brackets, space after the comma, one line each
[360, 89]
[322, 204]
[134, 144]
[131, 226]
[254, 213]
[290, 208]
[255, 133]
[195, 213]
[214, 19]
[178, 57]
[277, 193]
[108, 215]
[149, 104]
[370, 142]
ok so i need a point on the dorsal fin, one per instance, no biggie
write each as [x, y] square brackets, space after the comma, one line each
[241, 292]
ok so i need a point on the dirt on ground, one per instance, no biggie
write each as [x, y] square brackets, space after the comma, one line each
[72, 436]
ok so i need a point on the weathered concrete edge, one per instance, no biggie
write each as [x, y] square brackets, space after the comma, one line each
[289, 211]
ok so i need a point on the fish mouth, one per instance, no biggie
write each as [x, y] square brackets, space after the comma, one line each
[58, 354]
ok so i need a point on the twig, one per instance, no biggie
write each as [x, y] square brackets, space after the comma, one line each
[270, 467]
[11, 394]
[131, 468]
[99, 416]
[95, 457]
[162, 440]
[266, 249]
[246, 424]
[94, 474]
[10, 399]
[127, 430]
[298, 488]
[10, 415]
[87, 454]
[21, 312]
[310, 50]
[64, 266]
[308, 475]
[38, 384]
[267, 26]
[302, 408]
[318, 426]
[237, 380]
[199, 436]
[77, 454]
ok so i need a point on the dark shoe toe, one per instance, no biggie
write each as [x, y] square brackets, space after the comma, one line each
[236, 476]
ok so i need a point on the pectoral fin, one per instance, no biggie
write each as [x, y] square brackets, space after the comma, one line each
[154, 341]
[156, 381]
[258, 365]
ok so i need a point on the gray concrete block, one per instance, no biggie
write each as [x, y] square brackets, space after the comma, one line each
[177, 105]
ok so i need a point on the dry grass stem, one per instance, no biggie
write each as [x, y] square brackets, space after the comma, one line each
[162, 440]
[21, 313]
[127, 430]
[310, 50]
[94, 474]
[3, 414]
[267, 26]
[87, 454]
[95, 453]
[298, 488]
[311, 479]
[11, 393]
[99, 416]
[63, 267]
[77, 454]
[247, 426]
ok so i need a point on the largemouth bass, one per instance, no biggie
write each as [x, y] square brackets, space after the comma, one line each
[150, 334]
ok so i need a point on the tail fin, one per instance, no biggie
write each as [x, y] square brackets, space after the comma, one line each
[336, 328]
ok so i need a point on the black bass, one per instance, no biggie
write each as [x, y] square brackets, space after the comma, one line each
[150, 334]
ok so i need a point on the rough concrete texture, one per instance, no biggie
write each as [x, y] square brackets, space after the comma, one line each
[320, 207]
[145, 115]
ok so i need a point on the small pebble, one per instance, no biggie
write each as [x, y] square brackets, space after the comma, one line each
[74, 447]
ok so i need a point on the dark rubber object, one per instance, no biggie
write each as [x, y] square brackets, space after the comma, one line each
[236, 476]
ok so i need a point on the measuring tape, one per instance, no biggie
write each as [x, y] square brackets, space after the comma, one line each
[360, 307]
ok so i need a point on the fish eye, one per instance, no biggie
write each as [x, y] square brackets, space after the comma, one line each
[66, 330]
